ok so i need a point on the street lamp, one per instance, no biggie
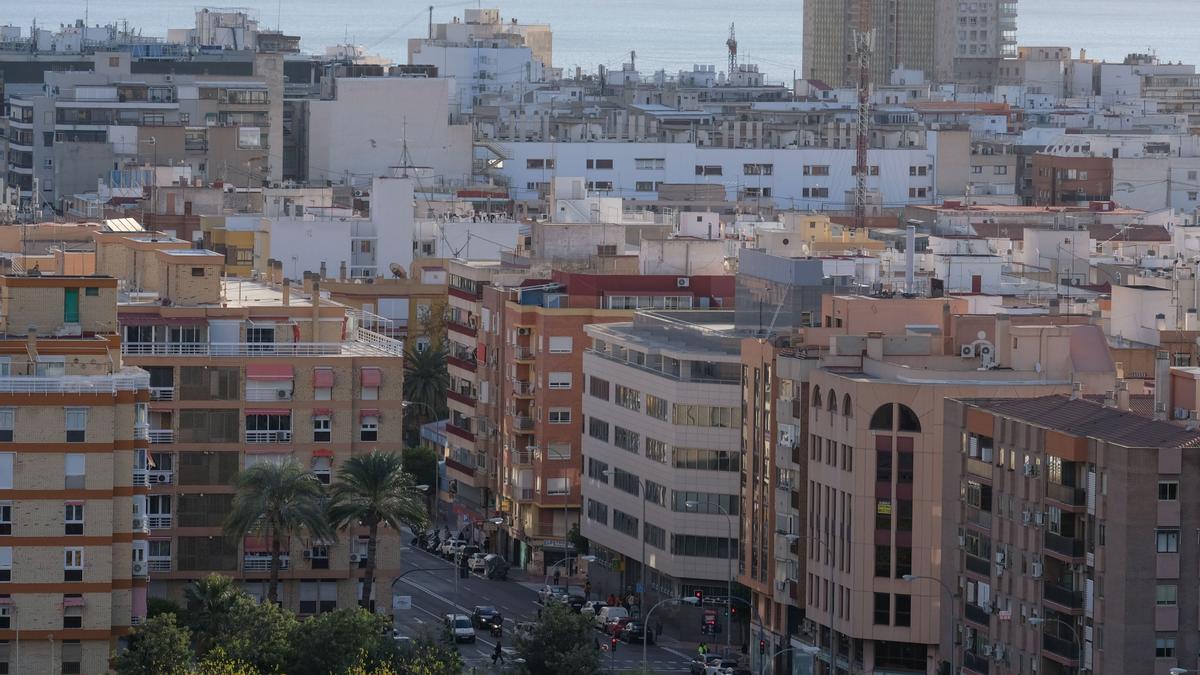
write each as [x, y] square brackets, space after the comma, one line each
[729, 561]
[564, 561]
[1075, 641]
[950, 595]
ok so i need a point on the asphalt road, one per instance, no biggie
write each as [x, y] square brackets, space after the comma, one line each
[435, 594]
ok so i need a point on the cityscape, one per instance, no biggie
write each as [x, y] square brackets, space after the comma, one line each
[458, 357]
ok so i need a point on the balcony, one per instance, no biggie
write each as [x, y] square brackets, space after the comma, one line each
[261, 562]
[159, 563]
[522, 458]
[1066, 495]
[159, 521]
[522, 388]
[979, 566]
[523, 424]
[460, 328]
[455, 430]
[1066, 599]
[268, 436]
[464, 399]
[460, 467]
[362, 342]
[457, 362]
[523, 494]
[522, 353]
[162, 435]
[141, 478]
[162, 393]
[161, 477]
[1063, 648]
[281, 394]
[979, 468]
[980, 518]
[1063, 547]
[977, 615]
[975, 663]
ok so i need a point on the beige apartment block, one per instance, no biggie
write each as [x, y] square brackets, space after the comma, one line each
[73, 477]
[243, 372]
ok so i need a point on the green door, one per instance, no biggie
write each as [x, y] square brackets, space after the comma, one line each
[71, 305]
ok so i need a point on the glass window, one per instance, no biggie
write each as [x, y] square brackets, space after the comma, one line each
[1168, 491]
[903, 610]
[1166, 594]
[883, 609]
[1167, 541]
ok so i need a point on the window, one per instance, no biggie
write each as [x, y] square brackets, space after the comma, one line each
[323, 384]
[269, 427]
[883, 560]
[598, 388]
[6, 470]
[8, 418]
[625, 523]
[75, 470]
[815, 193]
[883, 609]
[1168, 490]
[650, 164]
[560, 380]
[73, 610]
[599, 164]
[627, 482]
[72, 657]
[1000, 170]
[903, 610]
[706, 502]
[703, 547]
[560, 344]
[597, 512]
[76, 424]
[975, 168]
[628, 398]
[597, 470]
[74, 518]
[1167, 541]
[655, 536]
[322, 429]
[598, 429]
[322, 468]
[6, 563]
[656, 407]
[539, 164]
[703, 416]
[5, 518]
[600, 185]
[708, 170]
[706, 460]
[656, 450]
[758, 169]
[368, 429]
[1164, 647]
[197, 271]
[1166, 595]
[917, 192]
[73, 564]
[918, 170]
[626, 440]
[560, 416]
[816, 170]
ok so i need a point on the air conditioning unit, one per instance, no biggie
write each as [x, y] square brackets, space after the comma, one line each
[358, 193]
[1026, 516]
[139, 523]
[985, 349]
[985, 651]
[1037, 570]
[522, 331]
[682, 282]
[160, 478]
[1039, 518]
[998, 652]
[966, 351]
[781, 586]
[282, 394]
[139, 568]
[354, 557]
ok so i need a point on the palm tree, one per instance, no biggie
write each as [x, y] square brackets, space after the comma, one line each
[425, 382]
[209, 601]
[374, 490]
[277, 501]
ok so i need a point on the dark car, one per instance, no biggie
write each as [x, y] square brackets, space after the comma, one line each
[486, 616]
[635, 631]
[575, 601]
[465, 554]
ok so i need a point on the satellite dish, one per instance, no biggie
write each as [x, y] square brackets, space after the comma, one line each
[398, 270]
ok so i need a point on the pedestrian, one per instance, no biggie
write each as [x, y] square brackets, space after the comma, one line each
[702, 648]
[498, 653]
[557, 576]
[587, 590]
[612, 600]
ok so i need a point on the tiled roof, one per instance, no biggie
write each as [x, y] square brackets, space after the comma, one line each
[1079, 417]
[1129, 232]
[1000, 231]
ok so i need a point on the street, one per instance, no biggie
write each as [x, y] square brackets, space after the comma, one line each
[434, 595]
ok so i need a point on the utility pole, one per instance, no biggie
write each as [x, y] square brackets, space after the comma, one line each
[864, 43]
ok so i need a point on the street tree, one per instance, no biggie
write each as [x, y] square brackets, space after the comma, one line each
[338, 641]
[208, 602]
[157, 647]
[560, 642]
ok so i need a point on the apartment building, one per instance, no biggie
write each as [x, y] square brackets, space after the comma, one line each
[73, 477]
[917, 35]
[536, 340]
[245, 372]
[874, 471]
[662, 418]
[1072, 538]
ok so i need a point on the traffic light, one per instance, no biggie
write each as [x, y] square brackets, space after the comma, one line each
[614, 644]
[762, 646]
[699, 597]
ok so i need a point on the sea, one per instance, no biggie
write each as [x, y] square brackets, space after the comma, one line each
[657, 34]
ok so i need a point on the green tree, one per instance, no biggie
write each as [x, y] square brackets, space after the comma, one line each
[430, 657]
[219, 664]
[158, 647]
[425, 383]
[156, 606]
[421, 462]
[257, 634]
[374, 490]
[335, 642]
[209, 601]
[576, 538]
[277, 501]
[561, 642]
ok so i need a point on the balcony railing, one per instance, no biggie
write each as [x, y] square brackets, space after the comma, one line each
[978, 615]
[159, 563]
[1061, 647]
[141, 478]
[522, 458]
[162, 435]
[979, 566]
[261, 562]
[1065, 494]
[75, 384]
[523, 494]
[522, 423]
[364, 343]
[458, 362]
[522, 388]
[268, 395]
[268, 436]
[1061, 596]
[161, 477]
[522, 353]
[465, 399]
[976, 663]
[1066, 546]
[159, 521]
[162, 393]
[141, 432]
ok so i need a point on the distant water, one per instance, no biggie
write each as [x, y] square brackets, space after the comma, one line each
[671, 34]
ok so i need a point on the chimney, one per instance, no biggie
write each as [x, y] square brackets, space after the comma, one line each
[1054, 307]
[342, 271]
[307, 282]
[316, 310]
[1003, 341]
[910, 244]
[947, 336]
[1123, 395]
[287, 292]
[1189, 319]
[1076, 391]
[278, 271]
[1162, 374]
[1110, 399]
[1160, 322]
[322, 270]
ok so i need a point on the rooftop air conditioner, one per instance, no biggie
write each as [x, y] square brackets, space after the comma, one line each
[282, 394]
[966, 351]
[682, 282]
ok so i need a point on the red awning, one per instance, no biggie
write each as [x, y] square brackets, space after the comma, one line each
[322, 412]
[269, 371]
[268, 411]
[369, 412]
[72, 602]
[322, 378]
[256, 545]
[6, 600]
[322, 452]
[372, 377]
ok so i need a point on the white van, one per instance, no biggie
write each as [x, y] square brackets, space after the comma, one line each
[609, 614]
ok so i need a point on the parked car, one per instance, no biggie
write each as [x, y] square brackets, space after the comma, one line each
[486, 616]
[609, 614]
[711, 664]
[634, 632]
[464, 553]
[459, 627]
[446, 550]
[548, 594]
[475, 562]
[575, 600]
[615, 626]
[495, 566]
[591, 607]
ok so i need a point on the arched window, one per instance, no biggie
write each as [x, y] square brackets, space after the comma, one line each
[908, 419]
[847, 409]
[881, 419]
[832, 401]
[816, 396]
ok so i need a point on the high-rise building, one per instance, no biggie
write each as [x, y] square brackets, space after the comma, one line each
[73, 477]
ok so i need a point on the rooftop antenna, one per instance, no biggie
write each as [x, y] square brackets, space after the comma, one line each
[405, 158]
[731, 43]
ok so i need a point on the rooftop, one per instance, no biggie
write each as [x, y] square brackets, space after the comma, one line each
[1079, 417]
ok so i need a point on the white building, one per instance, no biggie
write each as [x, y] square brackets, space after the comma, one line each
[663, 410]
[361, 130]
